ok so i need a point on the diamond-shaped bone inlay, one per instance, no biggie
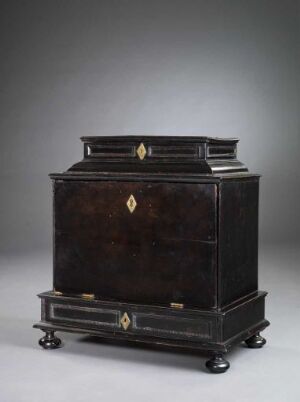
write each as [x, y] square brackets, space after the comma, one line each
[131, 203]
[125, 321]
[141, 151]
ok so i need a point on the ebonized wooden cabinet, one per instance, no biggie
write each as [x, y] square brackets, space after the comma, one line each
[156, 241]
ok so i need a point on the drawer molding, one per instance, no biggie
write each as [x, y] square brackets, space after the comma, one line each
[88, 310]
[158, 320]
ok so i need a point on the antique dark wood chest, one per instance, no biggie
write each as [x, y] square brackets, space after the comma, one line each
[155, 241]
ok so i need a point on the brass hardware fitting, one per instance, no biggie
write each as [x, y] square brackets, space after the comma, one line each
[177, 305]
[141, 151]
[125, 321]
[89, 296]
[131, 203]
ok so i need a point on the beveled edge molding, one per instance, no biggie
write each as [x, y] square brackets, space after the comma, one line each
[115, 313]
[204, 321]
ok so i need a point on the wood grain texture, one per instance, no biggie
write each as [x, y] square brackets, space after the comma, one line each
[144, 256]
[179, 262]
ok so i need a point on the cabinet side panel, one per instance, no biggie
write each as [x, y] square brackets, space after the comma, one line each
[247, 315]
[238, 239]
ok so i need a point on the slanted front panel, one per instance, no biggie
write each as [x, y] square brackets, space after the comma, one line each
[162, 252]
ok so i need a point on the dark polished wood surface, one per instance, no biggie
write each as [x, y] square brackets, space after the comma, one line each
[238, 239]
[160, 155]
[189, 328]
[178, 269]
[163, 252]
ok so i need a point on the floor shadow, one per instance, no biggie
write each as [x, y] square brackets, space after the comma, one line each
[19, 333]
[137, 352]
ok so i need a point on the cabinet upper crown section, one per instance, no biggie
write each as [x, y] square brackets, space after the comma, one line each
[151, 148]
[159, 155]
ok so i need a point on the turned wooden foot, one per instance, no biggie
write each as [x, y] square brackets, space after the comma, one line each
[217, 364]
[50, 341]
[256, 341]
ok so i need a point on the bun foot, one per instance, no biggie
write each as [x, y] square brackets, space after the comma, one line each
[256, 341]
[217, 364]
[50, 341]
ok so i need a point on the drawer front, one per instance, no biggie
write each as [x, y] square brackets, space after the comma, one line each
[129, 319]
[83, 315]
[174, 327]
[158, 249]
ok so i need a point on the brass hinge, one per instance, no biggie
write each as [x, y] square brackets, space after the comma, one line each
[89, 296]
[57, 293]
[177, 305]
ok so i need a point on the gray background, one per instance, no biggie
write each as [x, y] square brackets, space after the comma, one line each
[215, 68]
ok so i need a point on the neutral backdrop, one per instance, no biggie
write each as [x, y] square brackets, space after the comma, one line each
[227, 68]
[215, 68]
